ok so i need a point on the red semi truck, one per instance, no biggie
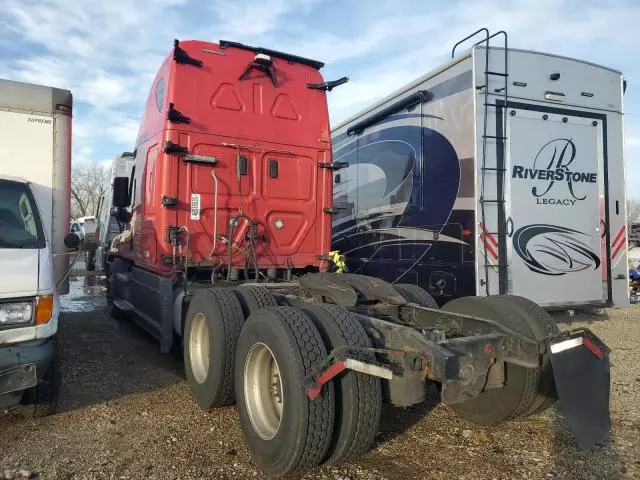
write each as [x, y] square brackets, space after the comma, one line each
[227, 257]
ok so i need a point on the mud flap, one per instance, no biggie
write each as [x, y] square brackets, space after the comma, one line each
[581, 373]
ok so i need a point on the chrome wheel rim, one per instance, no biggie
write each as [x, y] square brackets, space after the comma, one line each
[263, 392]
[199, 348]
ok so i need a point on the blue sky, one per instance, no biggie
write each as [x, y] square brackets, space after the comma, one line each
[107, 52]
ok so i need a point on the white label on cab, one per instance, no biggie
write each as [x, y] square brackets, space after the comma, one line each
[195, 206]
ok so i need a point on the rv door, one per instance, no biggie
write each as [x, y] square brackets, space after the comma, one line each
[555, 165]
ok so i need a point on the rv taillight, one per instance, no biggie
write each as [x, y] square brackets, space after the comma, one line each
[63, 108]
[466, 232]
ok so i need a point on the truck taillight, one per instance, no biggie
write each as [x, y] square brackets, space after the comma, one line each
[44, 309]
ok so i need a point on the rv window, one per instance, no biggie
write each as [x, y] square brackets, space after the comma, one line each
[388, 176]
[344, 191]
[160, 94]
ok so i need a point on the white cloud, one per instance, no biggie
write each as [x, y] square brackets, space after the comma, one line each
[107, 53]
[633, 140]
[255, 17]
[124, 131]
[105, 91]
[40, 70]
[106, 163]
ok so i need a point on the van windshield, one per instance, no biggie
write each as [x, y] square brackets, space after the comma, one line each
[20, 225]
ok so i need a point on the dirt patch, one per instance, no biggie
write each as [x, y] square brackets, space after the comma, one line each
[126, 413]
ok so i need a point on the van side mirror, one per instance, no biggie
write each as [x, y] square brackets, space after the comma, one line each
[72, 241]
[121, 192]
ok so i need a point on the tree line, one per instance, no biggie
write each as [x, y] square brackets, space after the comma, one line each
[89, 182]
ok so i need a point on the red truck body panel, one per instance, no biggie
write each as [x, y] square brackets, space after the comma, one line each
[283, 128]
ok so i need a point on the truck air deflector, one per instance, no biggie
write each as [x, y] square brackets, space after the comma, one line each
[182, 57]
[409, 102]
[175, 116]
[328, 86]
[171, 148]
[274, 53]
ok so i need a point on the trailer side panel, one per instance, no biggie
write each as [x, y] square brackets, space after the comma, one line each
[405, 205]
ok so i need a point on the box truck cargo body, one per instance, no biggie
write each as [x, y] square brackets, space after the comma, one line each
[501, 172]
[35, 183]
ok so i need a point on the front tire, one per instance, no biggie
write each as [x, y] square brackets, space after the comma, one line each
[42, 400]
[213, 324]
[285, 430]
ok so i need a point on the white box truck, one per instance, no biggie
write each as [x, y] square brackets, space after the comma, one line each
[35, 183]
[500, 172]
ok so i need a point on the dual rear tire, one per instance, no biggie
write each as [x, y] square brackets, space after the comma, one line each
[213, 324]
[261, 364]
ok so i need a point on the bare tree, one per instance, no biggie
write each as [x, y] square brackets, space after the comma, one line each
[88, 184]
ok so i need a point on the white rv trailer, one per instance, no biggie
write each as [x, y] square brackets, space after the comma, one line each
[500, 172]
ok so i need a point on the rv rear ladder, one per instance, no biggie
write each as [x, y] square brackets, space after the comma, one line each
[500, 139]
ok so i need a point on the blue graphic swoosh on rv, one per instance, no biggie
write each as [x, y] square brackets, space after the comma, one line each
[554, 250]
[400, 175]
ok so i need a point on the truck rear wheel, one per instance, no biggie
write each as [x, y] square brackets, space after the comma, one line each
[541, 325]
[213, 324]
[519, 391]
[358, 396]
[416, 294]
[254, 298]
[285, 430]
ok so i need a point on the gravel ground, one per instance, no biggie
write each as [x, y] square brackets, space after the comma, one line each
[126, 413]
